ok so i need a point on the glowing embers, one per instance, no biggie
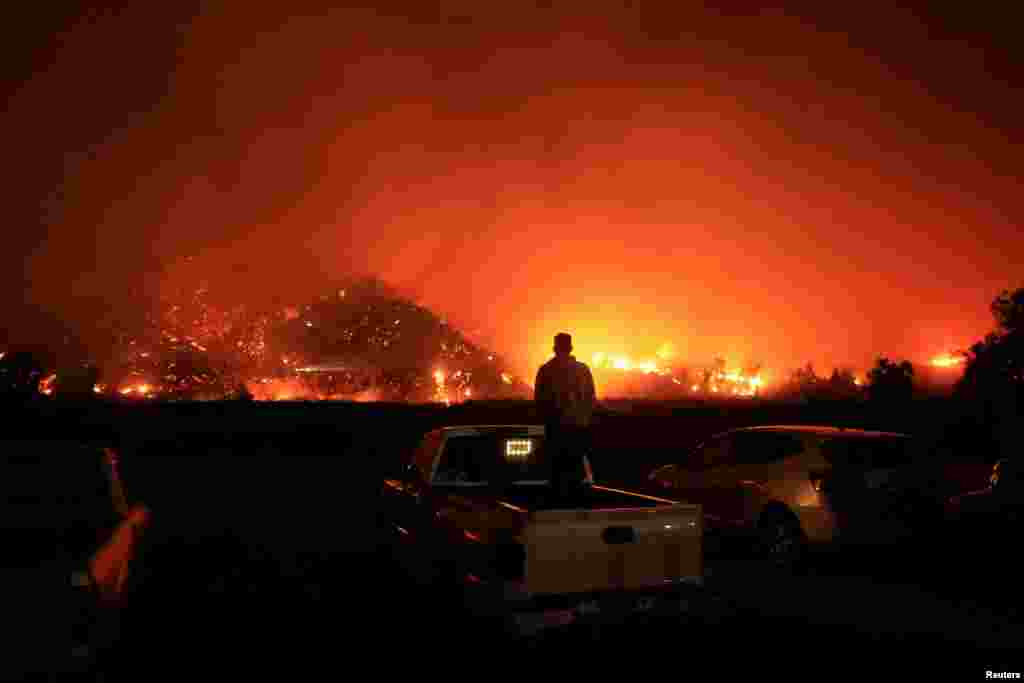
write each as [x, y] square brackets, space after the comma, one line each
[518, 450]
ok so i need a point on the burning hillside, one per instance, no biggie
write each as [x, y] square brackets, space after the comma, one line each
[361, 342]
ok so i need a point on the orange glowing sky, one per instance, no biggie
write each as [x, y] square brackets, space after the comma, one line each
[771, 188]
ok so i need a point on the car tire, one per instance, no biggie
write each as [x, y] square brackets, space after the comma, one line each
[781, 542]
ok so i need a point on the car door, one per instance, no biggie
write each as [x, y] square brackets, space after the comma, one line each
[898, 483]
[739, 480]
[865, 490]
[697, 479]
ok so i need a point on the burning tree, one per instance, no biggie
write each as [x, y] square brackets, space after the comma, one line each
[364, 341]
[842, 384]
[187, 347]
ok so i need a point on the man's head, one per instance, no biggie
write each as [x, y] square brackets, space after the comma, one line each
[563, 344]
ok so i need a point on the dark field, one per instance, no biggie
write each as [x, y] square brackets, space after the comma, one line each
[263, 556]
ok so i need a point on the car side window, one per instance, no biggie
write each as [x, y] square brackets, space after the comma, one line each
[715, 452]
[464, 460]
[764, 448]
[869, 453]
[887, 454]
[454, 465]
[840, 453]
[748, 448]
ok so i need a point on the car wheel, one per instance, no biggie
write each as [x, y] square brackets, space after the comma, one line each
[780, 541]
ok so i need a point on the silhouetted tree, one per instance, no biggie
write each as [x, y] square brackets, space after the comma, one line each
[891, 382]
[1008, 309]
[995, 365]
[841, 384]
[993, 379]
[802, 383]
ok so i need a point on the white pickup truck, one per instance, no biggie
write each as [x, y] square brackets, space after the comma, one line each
[473, 509]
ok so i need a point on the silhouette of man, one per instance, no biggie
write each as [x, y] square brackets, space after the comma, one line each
[564, 395]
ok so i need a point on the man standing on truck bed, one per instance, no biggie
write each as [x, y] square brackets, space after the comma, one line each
[564, 395]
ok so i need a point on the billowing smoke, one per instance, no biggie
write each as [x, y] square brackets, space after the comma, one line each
[634, 178]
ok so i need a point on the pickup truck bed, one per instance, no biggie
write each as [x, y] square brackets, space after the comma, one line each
[539, 498]
[520, 549]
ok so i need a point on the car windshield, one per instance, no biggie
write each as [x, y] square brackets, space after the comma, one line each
[480, 460]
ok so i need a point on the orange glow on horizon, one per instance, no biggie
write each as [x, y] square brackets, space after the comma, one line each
[947, 360]
[618, 206]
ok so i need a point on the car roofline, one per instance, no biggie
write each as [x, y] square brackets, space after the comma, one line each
[489, 427]
[818, 430]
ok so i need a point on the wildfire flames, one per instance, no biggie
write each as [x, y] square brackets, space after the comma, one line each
[282, 389]
[603, 361]
[735, 383]
[141, 390]
[453, 388]
[947, 360]
[613, 370]
[360, 343]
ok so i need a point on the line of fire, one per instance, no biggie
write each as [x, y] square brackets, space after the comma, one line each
[366, 343]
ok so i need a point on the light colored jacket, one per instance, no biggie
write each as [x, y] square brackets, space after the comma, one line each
[564, 392]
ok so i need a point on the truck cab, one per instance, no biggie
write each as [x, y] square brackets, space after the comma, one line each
[474, 508]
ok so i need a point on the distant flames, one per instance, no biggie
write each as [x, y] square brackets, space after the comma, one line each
[143, 390]
[454, 387]
[282, 389]
[603, 361]
[736, 383]
[947, 360]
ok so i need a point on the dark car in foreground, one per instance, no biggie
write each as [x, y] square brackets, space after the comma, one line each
[70, 539]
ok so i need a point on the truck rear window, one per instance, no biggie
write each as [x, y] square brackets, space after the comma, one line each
[487, 459]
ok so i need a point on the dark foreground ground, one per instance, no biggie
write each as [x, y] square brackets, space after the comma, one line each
[262, 560]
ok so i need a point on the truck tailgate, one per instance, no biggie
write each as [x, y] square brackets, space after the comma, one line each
[578, 551]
